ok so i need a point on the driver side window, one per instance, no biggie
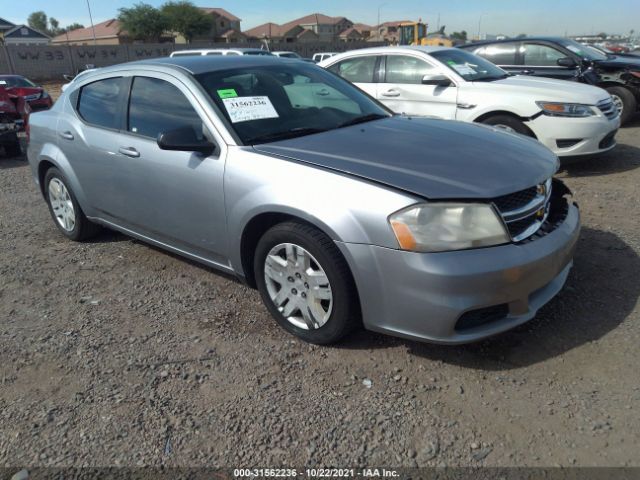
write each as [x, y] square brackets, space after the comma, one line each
[407, 70]
[540, 55]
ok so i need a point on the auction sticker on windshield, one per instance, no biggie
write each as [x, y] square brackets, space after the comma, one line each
[243, 109]
[463, 69]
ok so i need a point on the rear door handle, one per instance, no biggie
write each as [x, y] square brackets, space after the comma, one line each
[391, 93]
[67, 135]
[129, 152]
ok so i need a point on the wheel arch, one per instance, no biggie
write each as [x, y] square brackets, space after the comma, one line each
[494, 113]
[256, 227]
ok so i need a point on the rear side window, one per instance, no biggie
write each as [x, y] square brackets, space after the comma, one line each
[499, 54]
[356, 70]
[403, 69]
[157, 106]
[99, 102]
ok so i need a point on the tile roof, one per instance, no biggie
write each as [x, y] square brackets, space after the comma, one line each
[107, 29]
[220, 11]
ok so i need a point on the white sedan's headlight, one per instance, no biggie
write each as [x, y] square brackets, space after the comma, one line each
[555, 109]
[440, 227]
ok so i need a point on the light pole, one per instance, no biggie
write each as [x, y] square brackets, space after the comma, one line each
[93, 30]
[378, 25]
[480, 23]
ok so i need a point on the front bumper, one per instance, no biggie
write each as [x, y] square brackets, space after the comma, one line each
[423, 295]
[575, 136]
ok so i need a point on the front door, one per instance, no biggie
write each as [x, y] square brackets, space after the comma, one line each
[402, 89]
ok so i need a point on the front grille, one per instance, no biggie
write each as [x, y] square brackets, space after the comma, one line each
[607, 108]
[609, 140]
[525, 211]
[515, 200]
[481, 316]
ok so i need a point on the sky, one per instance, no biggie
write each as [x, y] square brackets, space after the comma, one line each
[508, 17]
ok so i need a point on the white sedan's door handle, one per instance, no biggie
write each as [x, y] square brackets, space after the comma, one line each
[129, 152]
[67, 135]
[391, 93]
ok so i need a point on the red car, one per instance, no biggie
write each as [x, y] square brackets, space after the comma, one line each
[19, 86]
[14, 115]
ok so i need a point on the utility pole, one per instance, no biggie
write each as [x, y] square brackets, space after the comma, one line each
[93, 29]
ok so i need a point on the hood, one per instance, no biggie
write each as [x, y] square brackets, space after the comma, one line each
[549, 89]
[623, 62]
[437, 159]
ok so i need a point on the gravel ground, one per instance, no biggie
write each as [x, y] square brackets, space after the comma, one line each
[117, 353]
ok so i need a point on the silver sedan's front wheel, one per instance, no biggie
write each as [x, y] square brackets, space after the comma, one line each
[298, 286]
[306, 283]
[61, 204]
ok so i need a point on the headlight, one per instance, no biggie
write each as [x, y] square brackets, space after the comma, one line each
[566, 109]
[45, 94]
[439, 227]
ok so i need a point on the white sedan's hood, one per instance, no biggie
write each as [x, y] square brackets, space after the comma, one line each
[548, 89]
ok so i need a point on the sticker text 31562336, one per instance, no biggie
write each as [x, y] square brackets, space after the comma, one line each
[243, 109]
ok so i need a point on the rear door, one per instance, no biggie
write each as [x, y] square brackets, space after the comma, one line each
[402, 90]
[505, 55]
[541, 59]
[360, 70]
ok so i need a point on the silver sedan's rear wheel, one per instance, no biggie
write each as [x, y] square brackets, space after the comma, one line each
[306, 283]
[298, 286]
[61, 204]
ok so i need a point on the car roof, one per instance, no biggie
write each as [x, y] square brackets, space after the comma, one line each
[509, 40]
[203, 64]
[396, 49]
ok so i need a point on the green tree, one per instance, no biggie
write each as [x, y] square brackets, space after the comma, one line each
[186, 19]
[54, 27]
[462, 36]
[38, 20]
[73, 26]
[143, 22]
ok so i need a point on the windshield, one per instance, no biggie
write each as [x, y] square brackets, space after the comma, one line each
[581, 50]
[16, 82]
[269, 103]
[470, 67]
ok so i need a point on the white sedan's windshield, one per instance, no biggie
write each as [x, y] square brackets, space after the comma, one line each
[269, 103]
[470, 67]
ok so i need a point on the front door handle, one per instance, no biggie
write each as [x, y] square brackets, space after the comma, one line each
[67, 135]
[129, 152]
[391, 93]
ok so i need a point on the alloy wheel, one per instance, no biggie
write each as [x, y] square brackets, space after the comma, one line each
[617, 101]
[62, 205]
[298, 286]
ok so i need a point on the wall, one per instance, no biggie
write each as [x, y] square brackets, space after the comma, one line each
[51, 62]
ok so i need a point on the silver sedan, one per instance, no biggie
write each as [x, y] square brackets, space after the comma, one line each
[340, 213]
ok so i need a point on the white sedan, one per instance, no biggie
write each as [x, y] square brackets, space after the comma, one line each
[570, 118]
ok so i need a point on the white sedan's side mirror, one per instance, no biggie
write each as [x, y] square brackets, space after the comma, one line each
[436, 79]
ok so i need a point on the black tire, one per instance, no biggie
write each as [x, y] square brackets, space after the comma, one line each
[12, 147]
[629, 102]
[345, 312]
[508, 121]
[83, 229]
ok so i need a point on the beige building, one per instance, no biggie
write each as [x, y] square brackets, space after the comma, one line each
[314, 27]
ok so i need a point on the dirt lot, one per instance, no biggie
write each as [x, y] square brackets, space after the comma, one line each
[116, 353]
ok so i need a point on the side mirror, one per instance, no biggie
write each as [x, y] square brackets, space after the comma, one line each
[438, 80]
[184, 139]
[567, 62]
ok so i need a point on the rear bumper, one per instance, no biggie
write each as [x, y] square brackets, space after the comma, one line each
[423, 295]
[575, 136]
